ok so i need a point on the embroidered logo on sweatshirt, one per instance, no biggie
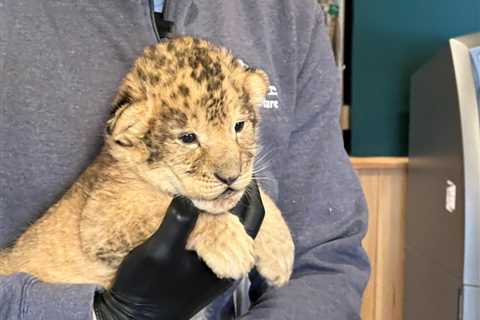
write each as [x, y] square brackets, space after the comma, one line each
[271, 100]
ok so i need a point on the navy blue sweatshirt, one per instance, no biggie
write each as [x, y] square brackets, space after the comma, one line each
[61, 62]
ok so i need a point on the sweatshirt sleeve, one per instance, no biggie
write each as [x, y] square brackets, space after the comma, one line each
[24, 297]
[322, 201]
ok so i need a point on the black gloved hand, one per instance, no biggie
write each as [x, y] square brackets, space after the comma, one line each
[160, 279]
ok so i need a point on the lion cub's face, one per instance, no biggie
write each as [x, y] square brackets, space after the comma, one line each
[185, 120]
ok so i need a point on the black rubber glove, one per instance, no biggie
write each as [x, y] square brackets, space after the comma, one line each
[160, 279]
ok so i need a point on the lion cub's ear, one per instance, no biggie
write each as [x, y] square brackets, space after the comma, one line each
[256, 85]
[128, 124]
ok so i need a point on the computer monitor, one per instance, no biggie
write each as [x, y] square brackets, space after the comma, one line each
[442, 269]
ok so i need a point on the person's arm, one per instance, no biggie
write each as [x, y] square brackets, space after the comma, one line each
[160, 279]
[322, 201]
[24, 297]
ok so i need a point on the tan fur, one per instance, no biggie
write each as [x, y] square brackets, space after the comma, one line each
[184, 85]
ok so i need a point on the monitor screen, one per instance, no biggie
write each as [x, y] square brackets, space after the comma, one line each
[475, 54]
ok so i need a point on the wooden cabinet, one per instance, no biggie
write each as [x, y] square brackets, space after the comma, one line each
[384, 181]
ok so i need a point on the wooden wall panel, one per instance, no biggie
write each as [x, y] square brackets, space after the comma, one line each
[384, 184]
[390, 245]
[369, 181]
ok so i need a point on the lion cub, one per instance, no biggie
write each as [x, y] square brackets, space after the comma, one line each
[184, 122]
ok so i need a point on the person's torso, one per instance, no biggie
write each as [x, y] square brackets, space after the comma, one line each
[62, 61]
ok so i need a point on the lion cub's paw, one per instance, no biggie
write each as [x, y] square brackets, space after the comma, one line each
[221, 241]
[275, 259]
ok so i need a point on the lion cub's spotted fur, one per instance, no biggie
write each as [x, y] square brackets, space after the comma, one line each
[180, 86]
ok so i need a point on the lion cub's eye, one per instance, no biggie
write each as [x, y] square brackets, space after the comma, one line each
[188, 137]
[239, 126]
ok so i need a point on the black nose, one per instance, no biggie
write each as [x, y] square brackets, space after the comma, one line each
[226, 180]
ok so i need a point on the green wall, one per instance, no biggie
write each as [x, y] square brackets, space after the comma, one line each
[392, 39]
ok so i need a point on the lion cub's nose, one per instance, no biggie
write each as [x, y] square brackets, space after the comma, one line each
[227, 180]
